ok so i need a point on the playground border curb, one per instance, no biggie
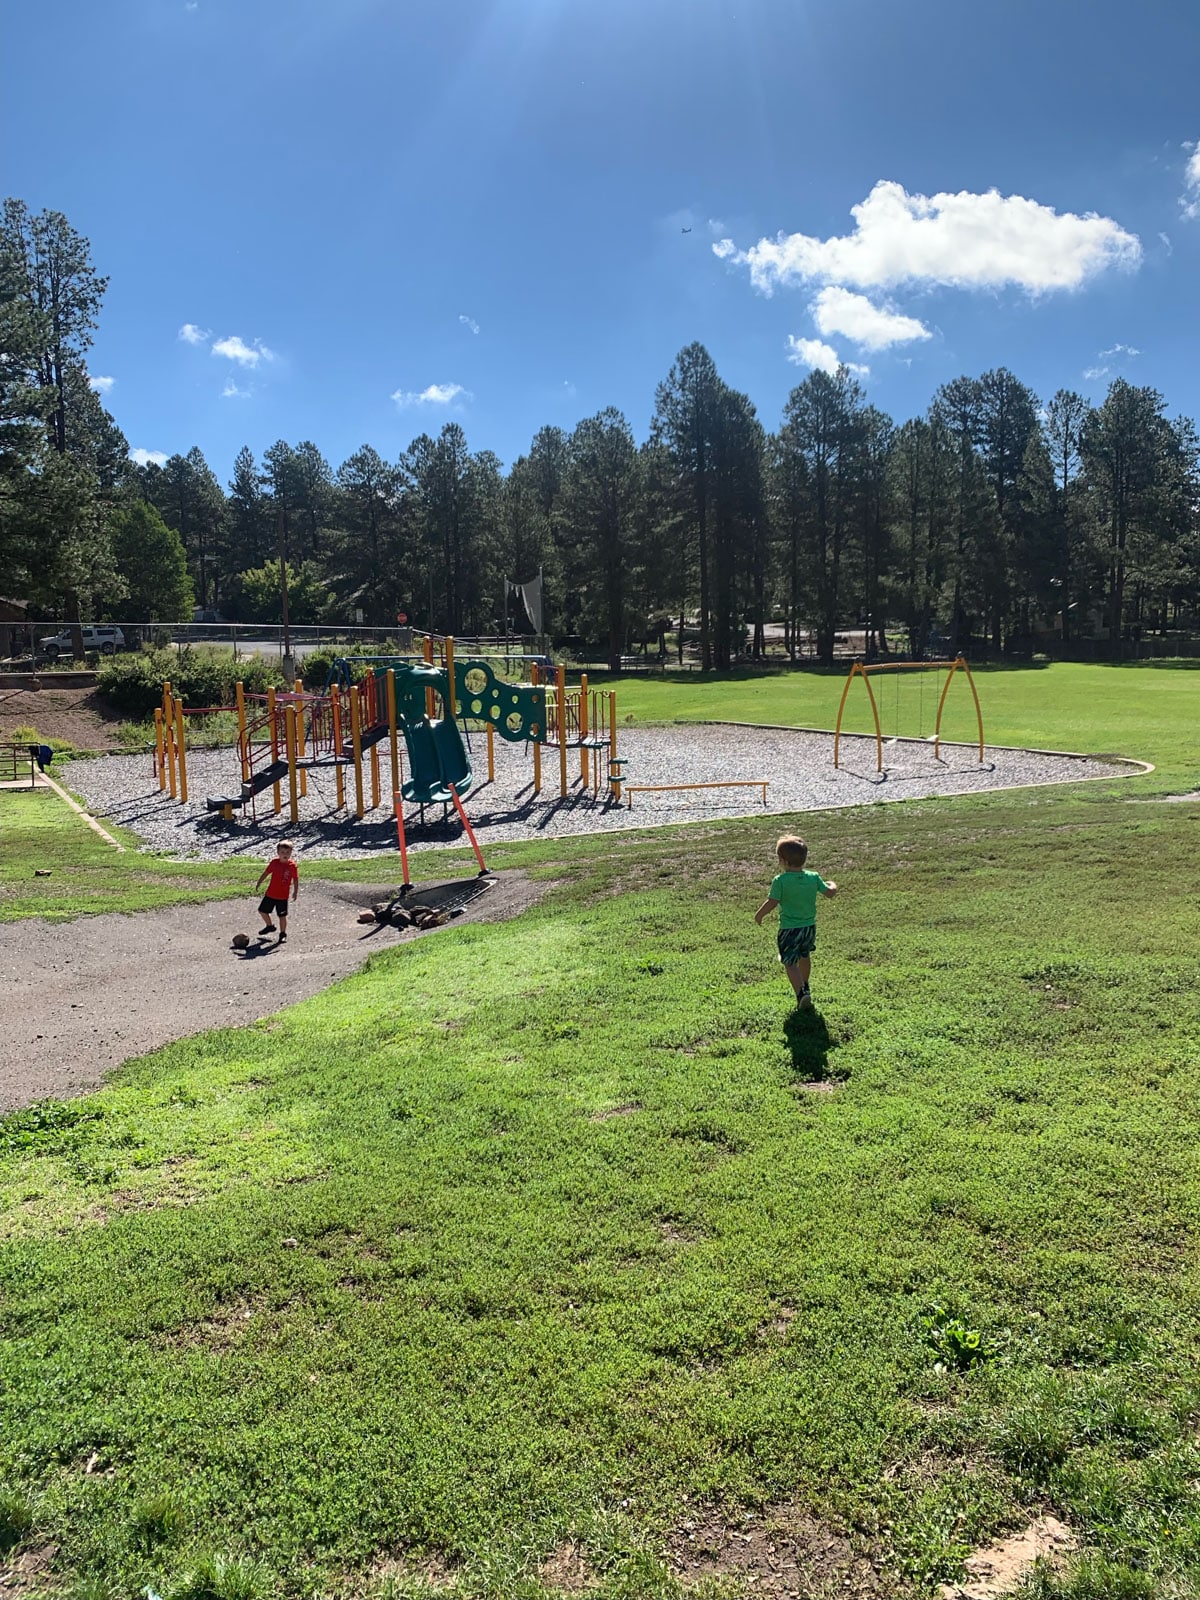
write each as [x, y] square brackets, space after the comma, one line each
[955, 744]
[44, 777]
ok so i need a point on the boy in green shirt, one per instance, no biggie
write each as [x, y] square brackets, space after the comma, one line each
[795, 892]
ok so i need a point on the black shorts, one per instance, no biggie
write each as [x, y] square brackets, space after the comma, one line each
[796, 943]
[266, 905]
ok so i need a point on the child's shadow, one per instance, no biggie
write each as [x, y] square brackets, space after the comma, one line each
[809, 1042]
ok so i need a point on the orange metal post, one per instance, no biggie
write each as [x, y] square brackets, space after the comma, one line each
[160, 748]
[356, 750]
[537, 743]
[181, 751]
[301, 749]
[612, 740]
[561, 696]
[278, 800]
[583, 729]
[391, 715]
[169, 724]
[335, 718]
[240, 695]
[291, 745]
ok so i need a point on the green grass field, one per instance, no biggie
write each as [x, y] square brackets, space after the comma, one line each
[570, 1231]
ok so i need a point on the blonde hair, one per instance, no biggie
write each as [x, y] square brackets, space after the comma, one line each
[792, 852]
[285, 844]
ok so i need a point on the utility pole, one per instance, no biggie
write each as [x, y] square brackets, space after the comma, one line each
[289, 666]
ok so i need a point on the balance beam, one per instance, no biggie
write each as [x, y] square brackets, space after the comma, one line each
[723, 783]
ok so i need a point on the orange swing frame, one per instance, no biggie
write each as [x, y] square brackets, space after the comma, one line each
[860, 670]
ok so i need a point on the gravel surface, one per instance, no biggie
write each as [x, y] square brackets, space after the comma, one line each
[81, 998]
[798, 764]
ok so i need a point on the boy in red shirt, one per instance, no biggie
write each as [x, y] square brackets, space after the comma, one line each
[280, 876]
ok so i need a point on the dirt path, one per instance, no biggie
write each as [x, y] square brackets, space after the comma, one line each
[81, 997]
[81, 716]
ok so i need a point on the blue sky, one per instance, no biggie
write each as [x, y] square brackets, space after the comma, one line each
[372, 217]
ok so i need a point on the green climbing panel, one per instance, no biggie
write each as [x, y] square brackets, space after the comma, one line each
[517, 711]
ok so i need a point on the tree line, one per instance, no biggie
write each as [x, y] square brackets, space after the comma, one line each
[992, 521]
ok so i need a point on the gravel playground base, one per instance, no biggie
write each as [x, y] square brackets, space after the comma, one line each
[798, 765]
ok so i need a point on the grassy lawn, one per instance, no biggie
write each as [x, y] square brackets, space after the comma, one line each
[1150, 710]
[541, 1233]
[569, 1232]
[37, 831]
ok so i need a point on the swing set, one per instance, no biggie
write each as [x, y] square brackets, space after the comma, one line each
[866, 672]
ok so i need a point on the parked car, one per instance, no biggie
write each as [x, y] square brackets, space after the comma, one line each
[103, 638]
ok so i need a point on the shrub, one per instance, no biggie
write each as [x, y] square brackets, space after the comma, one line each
[200, 677]
[318, 664]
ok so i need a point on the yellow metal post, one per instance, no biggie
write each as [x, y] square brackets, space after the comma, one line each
[169, 723]
[374, 777]
[391, 710]
[612, 741]
[451, 698]
[491, 743]
[300, 744]
[160, 747]
[537, 743]
[243, 749]
[561, 687]
[181, 751]
[335, 717]
[278, 800]
[292, 747]
[356, 751]
[583, 729]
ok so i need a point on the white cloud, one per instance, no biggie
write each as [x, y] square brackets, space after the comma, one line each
[246, 355]
[191, 334]
[813, 353]
[874, 327]
[964, 240]
[1165, 239]
[101, 385]
[148, 458]
[1189, 200]
[232, 392]
[469, 322]
[437, 394]
[1105, 363]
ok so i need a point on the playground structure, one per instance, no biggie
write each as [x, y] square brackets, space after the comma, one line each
[410, 712]
[866, 671]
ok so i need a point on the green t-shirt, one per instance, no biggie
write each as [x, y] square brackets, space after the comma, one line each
[797, 895]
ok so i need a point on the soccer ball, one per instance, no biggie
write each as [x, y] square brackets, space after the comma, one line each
[241, 941]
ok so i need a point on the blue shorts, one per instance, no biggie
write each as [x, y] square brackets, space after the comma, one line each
[795, 943]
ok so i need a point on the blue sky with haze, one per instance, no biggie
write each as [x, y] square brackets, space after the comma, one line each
[349, 220]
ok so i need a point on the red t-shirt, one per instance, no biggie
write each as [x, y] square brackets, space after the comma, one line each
[281, 875]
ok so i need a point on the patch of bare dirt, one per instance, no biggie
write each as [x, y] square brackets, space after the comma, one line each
[566, 1570]
[675, 1233]
[29, 1573]
[83, 717]
[999, 1568]
[781, 1553]
[626, 1110]
[434, 1571]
